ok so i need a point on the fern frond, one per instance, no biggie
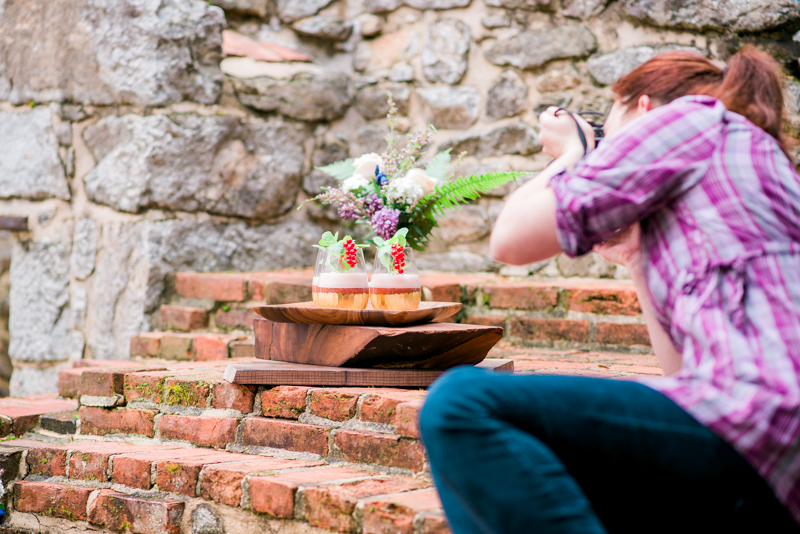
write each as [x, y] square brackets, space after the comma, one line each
[463, 190]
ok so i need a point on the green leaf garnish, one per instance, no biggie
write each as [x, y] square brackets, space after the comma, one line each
[341, 170]
[328, 239]
[437, 167]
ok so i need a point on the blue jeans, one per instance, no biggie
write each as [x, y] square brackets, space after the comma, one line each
[559, 454]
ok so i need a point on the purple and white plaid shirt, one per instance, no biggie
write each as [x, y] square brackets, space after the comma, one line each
[719, 204]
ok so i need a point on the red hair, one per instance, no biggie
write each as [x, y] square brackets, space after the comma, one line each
[750, 85]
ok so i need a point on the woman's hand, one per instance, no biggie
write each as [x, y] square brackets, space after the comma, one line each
[558, 133]
[624, 248]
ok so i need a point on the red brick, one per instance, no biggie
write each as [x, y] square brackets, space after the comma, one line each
[52, 500]
[210, 347]
[181, 475]
[622, 334]
[242, 349]
[407, 419]
[446, 292]
[187, 391]
[549, 365]
[214, 432]
[521, 296]
[229, 396]
[23, 413]
[89, 461]
[215, 286]
[381, 406]
[285, 435]
[147, 386]
[45, 459]
[287, 402]
[610, 300]
[332, 404]
[69, 382]
[100, 421]
[274, 495]
[222, 483]
[106, 382]
[147, 344]
[176, 347]
[183, 318]
[550, 329]
[435, 523]
[133, 470]
[140, 515]
[255, 289]
[331, 507]
[380, 449]
[486, 320]
[287, 291]
[234, 319]
[396, 513]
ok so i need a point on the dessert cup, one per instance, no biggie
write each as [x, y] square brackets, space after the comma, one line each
[395, 285]
[338, 284]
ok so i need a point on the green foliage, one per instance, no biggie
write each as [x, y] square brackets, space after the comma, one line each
[384, 246]
[327, 240]
[341, 170]
[437, 167]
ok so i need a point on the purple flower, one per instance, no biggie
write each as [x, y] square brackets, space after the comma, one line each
[385, 221]
[371, 205]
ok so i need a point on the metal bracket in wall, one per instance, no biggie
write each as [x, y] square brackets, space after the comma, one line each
[14, 224]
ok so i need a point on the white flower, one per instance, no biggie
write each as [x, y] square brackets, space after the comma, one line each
[365, 165]
[421, 177]
[404, 190]
[354, 182]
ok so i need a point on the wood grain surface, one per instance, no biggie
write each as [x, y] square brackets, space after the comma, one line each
[270, 373]
[425, 346]
[308, 313]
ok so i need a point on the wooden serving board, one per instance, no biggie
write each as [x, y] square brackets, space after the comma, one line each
[269, 373]
[425, 346]
[308, 313]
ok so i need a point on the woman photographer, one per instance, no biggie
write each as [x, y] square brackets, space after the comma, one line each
[697, 197]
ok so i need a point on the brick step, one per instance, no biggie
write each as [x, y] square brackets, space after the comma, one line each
[148, 489]
[192, 346]
[562, 313]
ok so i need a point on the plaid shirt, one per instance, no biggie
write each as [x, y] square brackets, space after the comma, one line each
[719, 204]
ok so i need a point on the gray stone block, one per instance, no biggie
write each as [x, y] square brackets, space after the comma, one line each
[533, 48]
[446, 51]
[519, 138]
[508, 96]
[723, 15]
[452, 107]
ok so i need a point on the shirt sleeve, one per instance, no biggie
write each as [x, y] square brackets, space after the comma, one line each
[650, 163]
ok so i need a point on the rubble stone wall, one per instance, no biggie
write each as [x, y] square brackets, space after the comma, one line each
[136, 149]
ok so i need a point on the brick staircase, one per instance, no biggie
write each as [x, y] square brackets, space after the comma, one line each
[155, 445]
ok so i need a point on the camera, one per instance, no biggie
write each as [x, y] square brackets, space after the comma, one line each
[598, 128]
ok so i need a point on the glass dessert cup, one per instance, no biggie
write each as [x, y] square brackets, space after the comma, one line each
[341, 284]
[395, 280]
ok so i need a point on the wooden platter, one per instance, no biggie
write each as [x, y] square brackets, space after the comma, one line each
[271, 373]
[308, 313]
[424, 346]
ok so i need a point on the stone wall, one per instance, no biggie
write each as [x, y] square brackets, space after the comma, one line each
[137, 150]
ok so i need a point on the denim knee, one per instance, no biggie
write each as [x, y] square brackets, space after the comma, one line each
[450, 399]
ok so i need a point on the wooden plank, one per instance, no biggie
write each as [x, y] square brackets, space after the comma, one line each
[271, 373]
[425, 346]
[14, 224]
[308, 313]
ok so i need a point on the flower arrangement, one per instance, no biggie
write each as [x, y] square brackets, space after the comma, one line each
[390, 191]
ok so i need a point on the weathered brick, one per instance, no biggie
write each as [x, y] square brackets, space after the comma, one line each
[381, 406]
[287, 402]
[146, 345]
[380, 449]
[89, 461]
[435, 523]
[396, 513]
[333, 404]
[45, 459]
[234, 319]
[60, 422]
[274, 495]
[183, 318]
[622, 334]
[140, 515]
[146, 386]
[176, 346]
[287, 291]
[100, 421]
[521, 296]
[550, 329]
[487, 320]
[133, 470]
[187, 391]
[242, 349]
[446, 292]
[407, 420]
[229, 396]
[255, 289]
[102, 382]
[331, 507]
[52, 500]
[285, 435]
[20, 415]
[614, 300]
[69, 382]
[221, 287]
[214, 432]
[222, 483]
[181, 475]
[210, 347]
